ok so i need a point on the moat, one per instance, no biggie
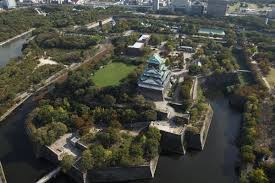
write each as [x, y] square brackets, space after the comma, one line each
[12, 50]
[216, 163]
[220, 152]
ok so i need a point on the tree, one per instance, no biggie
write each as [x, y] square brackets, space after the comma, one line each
[263, 151]
[151, 146]
[87, 162]
[247, 154]
[150, 115]
[109, 100]
[194, 70]
[155, 40]
[99, 155]
[67, 162]
[258, 176]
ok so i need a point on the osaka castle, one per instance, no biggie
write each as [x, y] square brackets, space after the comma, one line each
[155, 80]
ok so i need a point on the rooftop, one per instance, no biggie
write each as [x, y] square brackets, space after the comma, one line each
[137, 45]
[64, 146]
[144, 37]
[156, 59]
[218, 32]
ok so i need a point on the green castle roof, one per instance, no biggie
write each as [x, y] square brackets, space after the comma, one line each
[156, 59]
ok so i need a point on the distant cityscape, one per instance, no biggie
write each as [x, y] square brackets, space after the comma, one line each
[195, 7]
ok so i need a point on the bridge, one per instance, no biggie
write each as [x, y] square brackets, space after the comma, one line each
[242, 71]
[49, 176]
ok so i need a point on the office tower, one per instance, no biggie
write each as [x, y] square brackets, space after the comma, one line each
[156, 5]
[217, 7]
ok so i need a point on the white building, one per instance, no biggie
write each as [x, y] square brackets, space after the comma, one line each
[9, 4]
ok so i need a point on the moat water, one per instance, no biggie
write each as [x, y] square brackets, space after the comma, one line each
[12, 50]
[215, 164]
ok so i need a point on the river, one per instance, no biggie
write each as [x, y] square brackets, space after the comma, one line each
[214, 164]
[12, 50]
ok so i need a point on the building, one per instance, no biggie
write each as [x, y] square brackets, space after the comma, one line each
[272, 13]
[137, 48]
[217, 8]
[144, 38]
[155, 5]
[197, 8]
[155, 80]
[211, 32]
[180, 5]
[187, 49]
[9, 4]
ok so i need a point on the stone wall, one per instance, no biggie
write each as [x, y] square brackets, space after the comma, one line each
[171, 142]
[121, 174]
[155, 95]
[197, 140]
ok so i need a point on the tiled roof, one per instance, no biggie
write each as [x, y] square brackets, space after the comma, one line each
[156, 59]
[156, 75]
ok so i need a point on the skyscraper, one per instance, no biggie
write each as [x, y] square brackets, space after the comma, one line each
[217, 7]
[181, 5]
[272, 13]
[156, 5]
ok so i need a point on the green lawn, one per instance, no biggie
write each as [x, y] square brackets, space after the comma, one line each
[112, 74]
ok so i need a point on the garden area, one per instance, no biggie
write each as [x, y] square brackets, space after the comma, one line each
[112, 74]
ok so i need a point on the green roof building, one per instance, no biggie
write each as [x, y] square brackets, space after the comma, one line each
[155, 79]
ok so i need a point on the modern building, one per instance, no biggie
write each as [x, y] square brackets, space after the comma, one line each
[197, 8]
[137, 48]
[181, 5]
[155, 80]
[9, 4]
[156, 5]
[272, 13]
[217, 8]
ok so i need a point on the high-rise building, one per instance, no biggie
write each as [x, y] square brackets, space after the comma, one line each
[272, 13]
[217, 7]
[197, 8]
[156, 5]
[180, 5]
[9, 4]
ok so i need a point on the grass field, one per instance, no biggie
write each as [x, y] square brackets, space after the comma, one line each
[112, 74]
[271, 77]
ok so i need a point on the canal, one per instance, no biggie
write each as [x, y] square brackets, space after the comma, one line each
[12, 50]
[216, 163]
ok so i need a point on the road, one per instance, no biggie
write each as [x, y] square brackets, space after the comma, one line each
[259, 70]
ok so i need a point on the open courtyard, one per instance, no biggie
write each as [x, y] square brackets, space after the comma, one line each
[112, 74]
